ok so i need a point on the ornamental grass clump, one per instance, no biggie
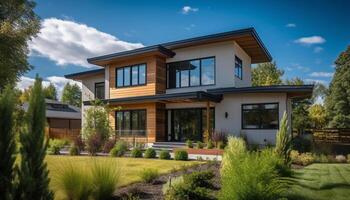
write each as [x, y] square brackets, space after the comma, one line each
[250, 175]
[149, 175]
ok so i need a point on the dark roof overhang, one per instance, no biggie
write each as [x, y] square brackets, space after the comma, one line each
[199, 96]
[293, 91]
[84, 74]
[144, 51]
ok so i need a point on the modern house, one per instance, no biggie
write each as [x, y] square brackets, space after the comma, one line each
[186, 89]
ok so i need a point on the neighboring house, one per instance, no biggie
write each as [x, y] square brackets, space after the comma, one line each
[177, 90]
[63, 120]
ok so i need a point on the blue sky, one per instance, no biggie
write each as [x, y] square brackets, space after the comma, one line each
[303, 37]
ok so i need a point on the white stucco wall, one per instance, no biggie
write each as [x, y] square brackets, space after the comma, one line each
[224, 53]
[231, 104]
[247, 71]
[88, 89]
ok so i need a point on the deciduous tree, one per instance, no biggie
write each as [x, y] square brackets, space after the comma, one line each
[71, 94]
[267, 74]
[50, 92]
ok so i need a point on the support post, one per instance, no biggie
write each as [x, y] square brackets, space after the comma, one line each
[208, 122]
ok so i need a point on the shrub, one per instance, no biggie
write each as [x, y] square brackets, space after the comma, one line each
[105, 179]
[218, 136]
[149, 175]
[122, 147]
[172, 183]
[322, 158]
[301, 144]
[55, 145]
[108, 146]
[189, 143]
[136, 153]
[210, 144]
[200, 179]
[94, 144]
[150, 153]
[199, 145]
[74, 151]
[79, 143]
[164, 155]
[181, 155]
[249, 175]
[221, 145]
[303, 158]
[115, 152]
[340, 159]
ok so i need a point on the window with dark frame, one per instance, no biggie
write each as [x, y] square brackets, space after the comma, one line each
[134, 75]
[238, 68]
[130, 122]
[260, 116]
[191, 73]
[100, 90]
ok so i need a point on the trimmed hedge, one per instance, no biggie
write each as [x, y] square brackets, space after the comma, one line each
[136, 153]
[150, 153]
[164, 155]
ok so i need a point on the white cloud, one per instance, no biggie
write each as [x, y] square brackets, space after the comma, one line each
[298, 67]
[187, 9]
[313, 81]
[58, 81]
[68, 42]
[291, 25]
[321, 74]
[310, 40]
[318, 49]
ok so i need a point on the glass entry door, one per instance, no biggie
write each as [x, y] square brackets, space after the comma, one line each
[187, 124]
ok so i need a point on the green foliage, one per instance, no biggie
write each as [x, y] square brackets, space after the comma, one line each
[71, 95]
[18, 25]
[199, 145]
[295, 81]
[267, 74]
[105, 179]
[7, 143]
[249, 175]
[300, 115]
[150, 153]
[284, 141]
[120, 149]
[50, 92]
[317, 115]
[149, 175]
[338, 96]
[164, 155]
[302, 158]
[189, 143]
[348, 158]
[210, 144]
[199, 179]
[221, 145]
[181, 155]
[55, 145]
[136, 153]
[74, 150]
[33, 174]
[301, 144]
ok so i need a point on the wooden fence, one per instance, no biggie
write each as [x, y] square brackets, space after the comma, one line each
[332, 136]
[62, 133]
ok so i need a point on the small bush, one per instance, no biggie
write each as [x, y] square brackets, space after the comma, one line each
[199, 145]
[218, 136]
[55, 145]
[79, 143]
[340, 159]
[189, 143]
[74, 151]
[150, 153]
[108, 146]
[115, 152]
[94, 144]
[200, 179]
[322, 158]
[149, 175]
[301, 144]
[136, 153]
[181, 155]
[172, 183]
[122, 147]
[303, 158]
[164, 155]
[210, 144]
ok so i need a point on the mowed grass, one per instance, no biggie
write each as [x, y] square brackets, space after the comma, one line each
[130, 168]
[322, 182]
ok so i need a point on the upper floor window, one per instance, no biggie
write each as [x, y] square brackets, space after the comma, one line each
[100, 90]
[191, 73]
[238, 68]
[131, 75]
[260, 116]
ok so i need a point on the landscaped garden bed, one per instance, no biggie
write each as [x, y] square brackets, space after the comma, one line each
[213, 152]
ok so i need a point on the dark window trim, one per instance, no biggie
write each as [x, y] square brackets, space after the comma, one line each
[278, 116]
[138, 76]
[189, 80]
[240, 76]
[104, 86]
[130, 119]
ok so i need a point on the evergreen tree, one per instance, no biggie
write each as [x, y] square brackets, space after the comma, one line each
[267, 74]
[71, 94]
[50, 92]
[7, 143]
[18, 24]
[338, 96]
[33, 181]
[283, 141]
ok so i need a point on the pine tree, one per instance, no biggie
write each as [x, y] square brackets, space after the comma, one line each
[283, 141]
[33, 181]
[7, 144]
[338, 95]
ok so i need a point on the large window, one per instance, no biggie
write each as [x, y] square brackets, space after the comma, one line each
[238, 68]
[191, 73]
[100, 90]
[130, 122]
[260, 116]
[131, 75]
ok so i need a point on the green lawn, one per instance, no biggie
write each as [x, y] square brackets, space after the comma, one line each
[130, 167]
[322, 182]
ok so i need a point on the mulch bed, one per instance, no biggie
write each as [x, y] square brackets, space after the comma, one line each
[152, 191]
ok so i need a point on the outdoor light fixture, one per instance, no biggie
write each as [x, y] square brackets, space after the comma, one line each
[226, 115]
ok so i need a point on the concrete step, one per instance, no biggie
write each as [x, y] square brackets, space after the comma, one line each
[168, 145]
